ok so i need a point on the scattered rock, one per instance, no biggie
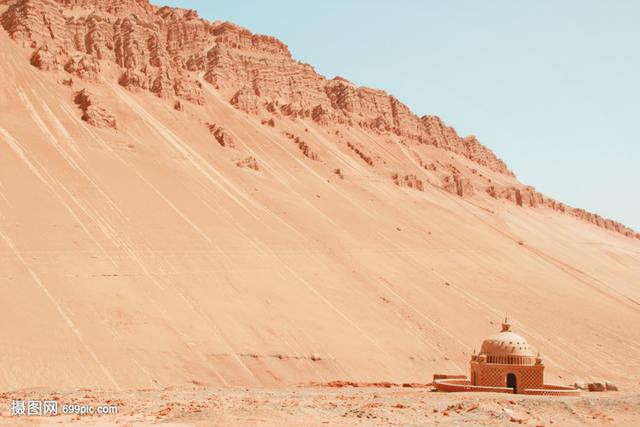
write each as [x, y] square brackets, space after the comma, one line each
[221, 135]
[85, 67]
[610, 386]
[92, 112]
[581, 385]
[518, 420]
[457, 184]
[367, 159]
[249, 162]
[303, 146]
[596, 386]
[410, 181]
[43, 59]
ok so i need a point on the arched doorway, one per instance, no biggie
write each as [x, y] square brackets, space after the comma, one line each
[511, 382]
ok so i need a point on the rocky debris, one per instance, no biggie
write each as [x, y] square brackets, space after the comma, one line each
[428, 166]
[457, 184]
[149, 44]
[245, 100]
[458, 408]
[83, 66]
[367, 159]
[322, 115]
[597, 386]
[527, 196]
[610, 386]
[581, 385]
[295, 109]
[338, 172]
[46, 60]
[417, 385]
[249, 162]
[39, 21]
[303, 146]
[518, 419]
[442, 136]
[92, 112]
[189, 90]
[270, 122]
[178, 106]
[221, 135]
[241, 60]
[341, 384]
[410, 181]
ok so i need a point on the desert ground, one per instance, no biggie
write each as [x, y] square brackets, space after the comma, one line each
[320, 406]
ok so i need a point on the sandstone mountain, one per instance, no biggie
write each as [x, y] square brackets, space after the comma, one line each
[181, 200]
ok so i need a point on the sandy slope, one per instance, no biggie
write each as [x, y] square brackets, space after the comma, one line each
[144, 257]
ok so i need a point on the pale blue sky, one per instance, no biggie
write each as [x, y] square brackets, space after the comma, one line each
[553, 87]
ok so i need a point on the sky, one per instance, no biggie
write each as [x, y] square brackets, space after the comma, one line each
[552, 87]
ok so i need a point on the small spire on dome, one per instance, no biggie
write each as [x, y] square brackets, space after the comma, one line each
[506, 326]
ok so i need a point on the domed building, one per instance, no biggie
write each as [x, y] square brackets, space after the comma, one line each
[506, 364]
[506, 360]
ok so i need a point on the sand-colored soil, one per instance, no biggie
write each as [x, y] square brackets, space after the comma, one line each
[312, 406]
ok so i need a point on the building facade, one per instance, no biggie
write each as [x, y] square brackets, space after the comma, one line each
[505, 364]
[506, 360]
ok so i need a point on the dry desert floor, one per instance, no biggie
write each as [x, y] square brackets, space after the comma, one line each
[320, 406]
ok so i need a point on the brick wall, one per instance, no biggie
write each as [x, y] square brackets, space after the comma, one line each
[493, 375]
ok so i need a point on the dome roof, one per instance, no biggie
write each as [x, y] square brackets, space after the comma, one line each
[506, 343]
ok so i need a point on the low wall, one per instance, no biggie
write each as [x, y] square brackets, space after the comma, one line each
[553, 390]
[452, 386]
[449, 377]
[465, 385]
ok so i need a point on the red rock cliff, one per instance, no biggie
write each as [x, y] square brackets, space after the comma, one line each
[172, 52]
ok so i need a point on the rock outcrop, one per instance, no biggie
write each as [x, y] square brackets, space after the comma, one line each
[410, 181]
[248, 162]
[164, 50]
[151, 45]
[358, 150]
[172, 53]
[302, 146]
[83, 66]
[245, 100]
[92, 112]
[597, 386]
[457, 184]
[220, 135]
[527, 196]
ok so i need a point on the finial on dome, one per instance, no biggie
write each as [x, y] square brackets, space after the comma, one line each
[506, 326]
